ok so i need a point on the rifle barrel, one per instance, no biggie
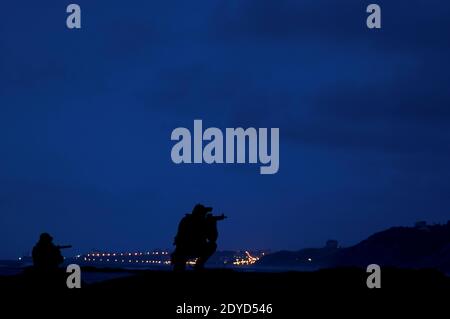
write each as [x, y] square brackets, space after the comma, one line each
[64, 246]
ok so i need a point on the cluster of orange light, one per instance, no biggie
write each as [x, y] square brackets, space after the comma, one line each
[248, 260]
[192, 262]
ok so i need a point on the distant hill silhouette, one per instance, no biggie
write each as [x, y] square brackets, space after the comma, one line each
[422, 246]
[307, 259]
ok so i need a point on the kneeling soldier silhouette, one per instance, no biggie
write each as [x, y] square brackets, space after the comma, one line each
[196, 238]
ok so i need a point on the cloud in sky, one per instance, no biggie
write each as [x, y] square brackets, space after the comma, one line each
[86, 116]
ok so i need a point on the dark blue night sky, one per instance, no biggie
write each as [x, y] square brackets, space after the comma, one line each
[86, 117]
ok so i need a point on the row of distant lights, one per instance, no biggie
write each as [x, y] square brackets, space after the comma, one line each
[127, 254]
[167, 262]
[159, 262]
[163, 253]
[248, 260]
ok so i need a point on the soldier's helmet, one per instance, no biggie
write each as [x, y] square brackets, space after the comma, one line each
[46, 238]
[200, 209]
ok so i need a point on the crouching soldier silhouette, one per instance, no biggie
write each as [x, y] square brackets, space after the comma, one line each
[46, 260]
[46, 255]
[196, 238]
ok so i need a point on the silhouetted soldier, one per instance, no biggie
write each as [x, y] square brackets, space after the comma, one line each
[196, 238]
[46, 255]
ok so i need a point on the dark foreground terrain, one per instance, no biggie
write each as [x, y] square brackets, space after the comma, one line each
[288, 292]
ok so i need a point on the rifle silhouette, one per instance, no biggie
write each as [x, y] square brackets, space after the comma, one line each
[63, 246]
[216, 218]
